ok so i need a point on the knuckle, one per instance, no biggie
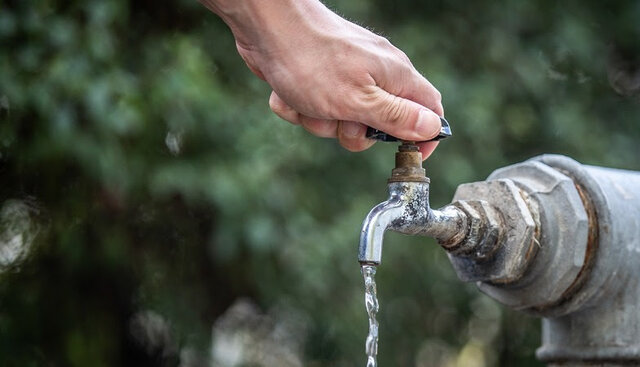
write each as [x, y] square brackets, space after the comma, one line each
[326, 128]
[323, 129]
[329, 109]
[437, 95]
[403, 56]
[382, 41]
[394, 111]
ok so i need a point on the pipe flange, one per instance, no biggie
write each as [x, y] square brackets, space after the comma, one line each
[562, 247]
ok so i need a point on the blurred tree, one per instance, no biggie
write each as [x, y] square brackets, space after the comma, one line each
[163, 189]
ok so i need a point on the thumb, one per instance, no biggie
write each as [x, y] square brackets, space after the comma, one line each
[399, 117]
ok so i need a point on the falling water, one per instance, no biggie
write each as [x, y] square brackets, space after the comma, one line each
[371, 302]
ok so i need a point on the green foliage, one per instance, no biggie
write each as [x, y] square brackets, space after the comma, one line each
[164, 183]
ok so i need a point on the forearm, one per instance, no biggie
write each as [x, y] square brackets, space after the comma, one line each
[258, 23]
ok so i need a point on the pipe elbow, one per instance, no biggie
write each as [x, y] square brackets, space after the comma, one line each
[375, 224]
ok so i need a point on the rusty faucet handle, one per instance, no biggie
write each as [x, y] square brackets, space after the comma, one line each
[445, 132]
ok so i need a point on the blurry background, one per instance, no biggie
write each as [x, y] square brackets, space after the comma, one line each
[153, 212]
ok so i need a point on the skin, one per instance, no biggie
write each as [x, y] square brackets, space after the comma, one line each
[331, 76]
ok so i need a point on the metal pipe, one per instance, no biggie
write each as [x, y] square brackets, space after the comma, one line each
[600, 320]
[579, 270]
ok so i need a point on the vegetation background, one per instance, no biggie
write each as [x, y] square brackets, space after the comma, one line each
[154, 212]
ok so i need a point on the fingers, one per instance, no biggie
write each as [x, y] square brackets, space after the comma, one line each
[280, 108]
[420, 90]
[397, 75]
[318, 127]
[427, 148]
[395, 115]
[352, 136]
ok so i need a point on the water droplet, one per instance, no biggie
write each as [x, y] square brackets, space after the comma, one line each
[174, 141]
[18, 230]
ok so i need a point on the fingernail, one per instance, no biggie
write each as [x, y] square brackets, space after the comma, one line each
[428, 125]
[352, 129]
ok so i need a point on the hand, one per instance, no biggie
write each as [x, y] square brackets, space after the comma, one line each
[331, 76]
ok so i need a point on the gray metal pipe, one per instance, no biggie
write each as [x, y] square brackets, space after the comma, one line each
[602, 320]
[580, 271]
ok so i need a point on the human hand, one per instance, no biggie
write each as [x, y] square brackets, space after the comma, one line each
[331, 76]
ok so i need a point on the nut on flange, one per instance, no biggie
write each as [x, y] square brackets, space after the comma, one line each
[484, 230]
[516, 246]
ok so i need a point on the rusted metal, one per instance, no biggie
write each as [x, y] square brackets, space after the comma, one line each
[474, 230]
[408, 165]
[484, 230]
[592, 243]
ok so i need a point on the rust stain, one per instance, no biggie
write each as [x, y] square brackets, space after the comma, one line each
[589, 257]
[592, 241]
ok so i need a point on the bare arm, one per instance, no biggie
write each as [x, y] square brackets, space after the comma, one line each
[329, 75]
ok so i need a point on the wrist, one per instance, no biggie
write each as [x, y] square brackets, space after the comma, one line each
[259, 24]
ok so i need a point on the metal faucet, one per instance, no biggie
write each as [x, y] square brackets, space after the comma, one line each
[407, 210]
[470, 229]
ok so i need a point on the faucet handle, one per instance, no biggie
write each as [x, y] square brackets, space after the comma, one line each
[445, 132]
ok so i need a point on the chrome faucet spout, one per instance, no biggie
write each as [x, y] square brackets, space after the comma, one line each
[374, 226]
[407, 211]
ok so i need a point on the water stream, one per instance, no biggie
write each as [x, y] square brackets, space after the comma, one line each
[371, 302]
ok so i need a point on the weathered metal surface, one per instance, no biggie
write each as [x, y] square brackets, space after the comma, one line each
[475, 230]
[407, 211]
[484, 230]
[517, 246]
[561, 244]
[556, 308]
[408, 165]
[448, 225]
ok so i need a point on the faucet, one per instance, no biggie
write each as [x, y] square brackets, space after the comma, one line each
[407, 210]
[549, 236]
[469, 229]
